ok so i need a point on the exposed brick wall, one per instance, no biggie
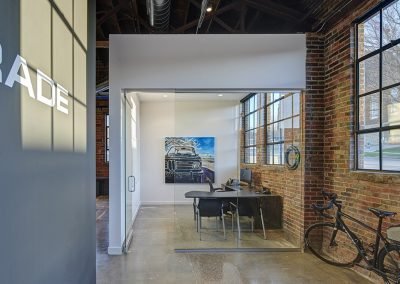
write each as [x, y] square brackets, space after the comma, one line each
[101, 72]
[101, 165]
[327, 144]
[357, 190]
[313, 124]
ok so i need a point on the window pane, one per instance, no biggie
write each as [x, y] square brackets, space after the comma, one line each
[270, 97]
[287, 134]
[251, 121]
[260, 115]
[391, 22]
[286, 107]
[296, 123]
[369, 35]
[249, 154]
[277, 132]
[369, 111]
[391, 66]
[276, 114]
[277, 153]
[277, 96]
[270, 113]
[391, 107]
[270, 133]
[296, 129]
[368, 151]
[251, 137]
[391, 150]
[252, 153]
[369, 74]
[270, 154]
[251, 104]
[296, 103]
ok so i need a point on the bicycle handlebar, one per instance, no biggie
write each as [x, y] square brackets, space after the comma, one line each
[332, 201]
[321, 209]
[329, 195]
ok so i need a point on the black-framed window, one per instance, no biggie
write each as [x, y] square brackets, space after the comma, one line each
[107, 138]
[282, 124]
[378, 88]
[253, 121]
[271, 120]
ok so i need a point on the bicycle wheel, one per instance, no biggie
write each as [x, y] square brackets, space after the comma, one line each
[331, 245]
[389, 263]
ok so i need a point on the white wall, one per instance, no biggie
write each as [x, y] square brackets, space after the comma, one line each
[209, 61]
[166, 119]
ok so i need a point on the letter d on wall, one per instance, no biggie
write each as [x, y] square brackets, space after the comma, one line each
[39, 89]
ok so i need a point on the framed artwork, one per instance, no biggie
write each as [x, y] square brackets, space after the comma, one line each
[189, 159]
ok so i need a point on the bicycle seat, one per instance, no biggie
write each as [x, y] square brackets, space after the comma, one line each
[381, 213]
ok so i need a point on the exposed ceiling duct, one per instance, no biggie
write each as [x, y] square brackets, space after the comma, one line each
[158, 11]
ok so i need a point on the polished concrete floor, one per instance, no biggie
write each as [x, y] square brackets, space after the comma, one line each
[187, 237]
[152, 259]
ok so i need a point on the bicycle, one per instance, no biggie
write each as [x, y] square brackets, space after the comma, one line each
[336, 244]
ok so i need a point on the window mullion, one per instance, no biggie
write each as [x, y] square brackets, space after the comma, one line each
[380, 88]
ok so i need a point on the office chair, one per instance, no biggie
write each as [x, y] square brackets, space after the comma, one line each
[212, 188]
[210, 208]
[247, 207]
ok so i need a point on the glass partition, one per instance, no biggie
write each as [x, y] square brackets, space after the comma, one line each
[204, 143]
[233, 187]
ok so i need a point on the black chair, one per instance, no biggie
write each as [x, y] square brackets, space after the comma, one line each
[247, 207]
[210, 208]
[212, 188]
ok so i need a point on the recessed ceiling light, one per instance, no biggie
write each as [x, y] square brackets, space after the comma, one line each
[209, 9]
[165, 96]
[220, 95]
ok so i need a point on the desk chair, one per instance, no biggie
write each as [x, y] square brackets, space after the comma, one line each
[249, 208]
[210, 208]
[212, 189]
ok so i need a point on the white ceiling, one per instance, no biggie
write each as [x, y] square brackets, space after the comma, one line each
[206, 96]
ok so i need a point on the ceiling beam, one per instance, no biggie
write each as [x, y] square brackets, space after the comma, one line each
[253, 21]
[273, 8]
[212, 18]
[224, 25]
[109, 14]
[243, 12]
[186, 12]
[136, 14]
[102, 44]
[207, 17]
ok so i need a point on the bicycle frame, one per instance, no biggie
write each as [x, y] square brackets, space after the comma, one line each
[373, 264]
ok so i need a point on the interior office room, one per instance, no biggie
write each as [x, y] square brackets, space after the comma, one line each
[198, 141]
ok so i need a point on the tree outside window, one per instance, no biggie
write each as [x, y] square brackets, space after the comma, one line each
[378, 89]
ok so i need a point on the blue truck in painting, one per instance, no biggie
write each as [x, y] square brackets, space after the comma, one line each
[183, 165]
